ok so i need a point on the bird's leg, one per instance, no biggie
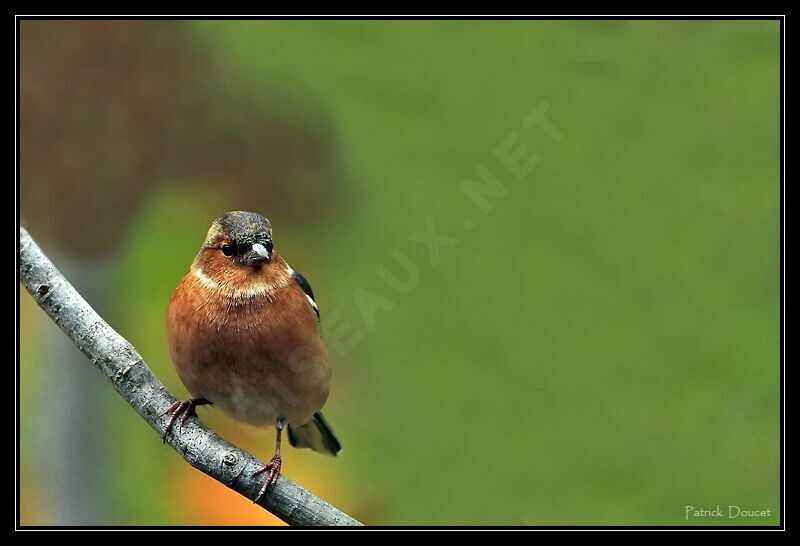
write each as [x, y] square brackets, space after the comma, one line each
[184, 409]
[273, 468]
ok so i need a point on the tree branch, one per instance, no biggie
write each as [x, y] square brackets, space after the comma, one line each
[119, 362]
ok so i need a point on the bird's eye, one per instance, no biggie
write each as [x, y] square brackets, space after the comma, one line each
[228, 250]
[269, 246]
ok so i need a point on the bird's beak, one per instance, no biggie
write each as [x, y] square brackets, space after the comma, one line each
[257, 255]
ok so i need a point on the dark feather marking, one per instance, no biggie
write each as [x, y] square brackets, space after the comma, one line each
[303, 283]
[293, 440]
[318, 422]
[327, 433]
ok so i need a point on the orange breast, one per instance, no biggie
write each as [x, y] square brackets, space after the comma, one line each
[259, 359]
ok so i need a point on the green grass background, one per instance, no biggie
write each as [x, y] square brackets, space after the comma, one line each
[602, 347]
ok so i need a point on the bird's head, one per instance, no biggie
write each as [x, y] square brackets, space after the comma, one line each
[238, 254]
[240, 239]
[237, 259]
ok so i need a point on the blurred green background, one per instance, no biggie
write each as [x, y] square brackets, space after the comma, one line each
[602, 347]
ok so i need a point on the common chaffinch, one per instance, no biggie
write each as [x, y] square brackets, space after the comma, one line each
[244, 335]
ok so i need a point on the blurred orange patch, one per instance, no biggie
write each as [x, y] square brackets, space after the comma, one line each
[202, 501]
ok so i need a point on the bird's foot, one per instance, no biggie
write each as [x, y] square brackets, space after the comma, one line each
[273, 469]
[183, 409]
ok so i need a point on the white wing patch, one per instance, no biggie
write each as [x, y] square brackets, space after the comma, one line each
[298, 278]
[313, 303]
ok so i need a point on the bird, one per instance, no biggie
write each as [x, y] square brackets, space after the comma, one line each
[244, 334]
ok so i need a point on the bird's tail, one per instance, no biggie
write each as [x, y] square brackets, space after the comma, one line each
[316, 434]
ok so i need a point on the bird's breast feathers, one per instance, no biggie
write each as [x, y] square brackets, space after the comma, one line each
[249, 341]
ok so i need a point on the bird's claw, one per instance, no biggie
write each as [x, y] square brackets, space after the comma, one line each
[273, 469]
[185, 409]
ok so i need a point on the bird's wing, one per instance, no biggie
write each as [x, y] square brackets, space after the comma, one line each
[303, 283]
